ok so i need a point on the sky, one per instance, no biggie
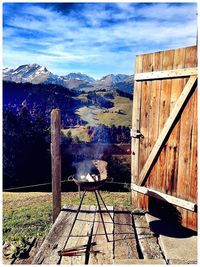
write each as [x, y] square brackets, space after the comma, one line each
[93, 38]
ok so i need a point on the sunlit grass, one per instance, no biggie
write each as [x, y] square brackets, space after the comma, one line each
[27, 215]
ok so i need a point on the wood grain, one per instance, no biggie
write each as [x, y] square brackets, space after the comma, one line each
[125, 245]
[166, 129]
[136, 116]
[154, 117]
[144, 122]
[56, 161]
[80, 235]
[147, 241]
[176, 166]
[105, 255]
[56, 238]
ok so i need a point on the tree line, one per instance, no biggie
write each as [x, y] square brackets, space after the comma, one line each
[26, 130]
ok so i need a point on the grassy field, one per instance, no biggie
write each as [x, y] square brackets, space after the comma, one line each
[89, 114]
[113, 116]
[120, 114]
[80, 132]
[27, 215]
[94, 115]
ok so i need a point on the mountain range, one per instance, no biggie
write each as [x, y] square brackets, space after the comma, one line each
[36, 74]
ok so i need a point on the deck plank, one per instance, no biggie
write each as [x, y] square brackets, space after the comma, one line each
[140, 261]
[125, 246]
[147, 240]
[80, 234]
[105, 256]
[56, 238]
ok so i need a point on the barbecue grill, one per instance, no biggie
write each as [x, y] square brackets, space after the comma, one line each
[90, 176]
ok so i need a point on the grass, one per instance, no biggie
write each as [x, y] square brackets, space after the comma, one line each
[114, 117]
[28, 215]
[94, 115]
[80, 132]
[89, 114]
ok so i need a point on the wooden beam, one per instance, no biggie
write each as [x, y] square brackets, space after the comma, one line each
[56, 161]
[147, 240]
[165, 74]
[166, 129]
[164, 197]
[135, 142]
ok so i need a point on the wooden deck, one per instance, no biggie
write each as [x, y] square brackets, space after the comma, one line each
[130, 239]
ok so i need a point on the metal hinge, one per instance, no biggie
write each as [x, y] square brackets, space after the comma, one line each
[135, 133]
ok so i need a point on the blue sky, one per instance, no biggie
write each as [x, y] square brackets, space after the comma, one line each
[93, 38]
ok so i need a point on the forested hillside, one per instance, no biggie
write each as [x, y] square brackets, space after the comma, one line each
[102, 116]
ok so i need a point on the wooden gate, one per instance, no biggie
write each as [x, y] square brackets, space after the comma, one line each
[164, 134]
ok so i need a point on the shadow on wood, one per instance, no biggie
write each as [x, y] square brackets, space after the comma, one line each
[170, 219]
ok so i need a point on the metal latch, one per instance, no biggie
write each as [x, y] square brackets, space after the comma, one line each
[135, 133]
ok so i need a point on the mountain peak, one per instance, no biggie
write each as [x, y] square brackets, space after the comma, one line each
[114, 78]
[36, 74]
[79, 76]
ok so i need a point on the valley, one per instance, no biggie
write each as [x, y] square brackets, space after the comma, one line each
[93, 117]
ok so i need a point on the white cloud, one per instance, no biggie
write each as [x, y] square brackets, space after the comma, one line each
[96, 34]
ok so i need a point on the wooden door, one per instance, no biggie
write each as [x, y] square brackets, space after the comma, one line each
[164, 134]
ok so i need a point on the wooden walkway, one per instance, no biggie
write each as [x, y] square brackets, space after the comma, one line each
[130, 239]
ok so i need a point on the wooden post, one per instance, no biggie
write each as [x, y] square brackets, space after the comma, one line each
[56, 161]
[135, 142]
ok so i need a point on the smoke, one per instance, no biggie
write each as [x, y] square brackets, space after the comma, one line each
[85, 167]
[91, 169]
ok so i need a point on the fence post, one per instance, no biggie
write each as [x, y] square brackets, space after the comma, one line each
[56, 161]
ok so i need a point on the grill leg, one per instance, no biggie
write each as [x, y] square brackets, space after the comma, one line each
[105, 206]
[78, 210]
[101, 216]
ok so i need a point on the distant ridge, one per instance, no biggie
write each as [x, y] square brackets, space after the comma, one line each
[37, 74]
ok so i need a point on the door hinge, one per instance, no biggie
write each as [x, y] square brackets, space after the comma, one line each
[135, 133]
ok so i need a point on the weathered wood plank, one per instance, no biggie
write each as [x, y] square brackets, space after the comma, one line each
[185, 148]
[173, 141]
[183, 183]
[154, 115]
[145, 111]
[56, 161]
[166, 74]
[191, 60]
[164, 197]
[147, 241]
[105, 255]
[167, 160]
[192, 217]
[165, 96]
[80, 235]
[56, 238]
[144, 123]
[140, 261]
[167, 127]
[125, 246]
[135, 142]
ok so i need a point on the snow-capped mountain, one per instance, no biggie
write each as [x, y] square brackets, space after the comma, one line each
[79, 76]
[110, 82]
[32, 73]
[113, 79]
[36, 74]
